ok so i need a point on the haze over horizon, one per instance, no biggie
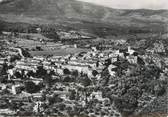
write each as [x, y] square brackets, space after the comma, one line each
[127, 4]
[131, 4]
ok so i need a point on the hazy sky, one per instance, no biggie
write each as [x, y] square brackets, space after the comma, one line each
[132, 4]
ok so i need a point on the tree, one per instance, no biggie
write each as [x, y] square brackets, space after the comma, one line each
[66, 71]
[13, 106]
[47, 80]
[107, 62]
[94, 72]
[72, 95]
[18, 75]
[75, 73]
[25, 53]
[3, 70]
[51, 34]
[156, 87]
[39, 48]
[126, 104]
[105, 77]
[41, 71]
[86, 81]
[31, 87]
[68, 79]
[2, 25]
[159, 90]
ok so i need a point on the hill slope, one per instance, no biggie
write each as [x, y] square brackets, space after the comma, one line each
[54, 9]
[81, 15]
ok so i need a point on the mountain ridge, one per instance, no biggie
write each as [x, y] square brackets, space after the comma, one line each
[77, 15]
[53, 9]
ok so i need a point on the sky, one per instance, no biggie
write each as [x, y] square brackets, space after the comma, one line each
[132, 4]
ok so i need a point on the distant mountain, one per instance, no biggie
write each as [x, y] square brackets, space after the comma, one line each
[81, 14]
[57, 9]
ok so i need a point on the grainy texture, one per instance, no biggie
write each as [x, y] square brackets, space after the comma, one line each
[68, 58]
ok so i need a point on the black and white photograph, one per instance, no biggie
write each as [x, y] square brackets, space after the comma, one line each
[83, 58]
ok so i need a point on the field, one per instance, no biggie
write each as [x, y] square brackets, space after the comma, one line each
[33, 43]
[60, 52]
[49, 48]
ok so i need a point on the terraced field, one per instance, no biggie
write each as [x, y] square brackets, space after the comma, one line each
[60, 52]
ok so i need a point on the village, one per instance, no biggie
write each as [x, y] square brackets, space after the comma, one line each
[86, 82]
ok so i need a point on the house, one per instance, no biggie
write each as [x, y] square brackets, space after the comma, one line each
[159, 47]
[46, 63]
[151, 51]
[58, 64]
[119, 53]
[166, 61]
[7, 112]
[7, 33]
[132, 59]
[110, 69]
[39, 58]
[2, 61]
[130, 51]
[59, 71]
[62, 94]
[80, 68]
[94, 49]
[38, 107]
[16, 89]
[3, 86]
[114, 59]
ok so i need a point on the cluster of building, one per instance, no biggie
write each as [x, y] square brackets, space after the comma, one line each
[63, 85]
[86, 64]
